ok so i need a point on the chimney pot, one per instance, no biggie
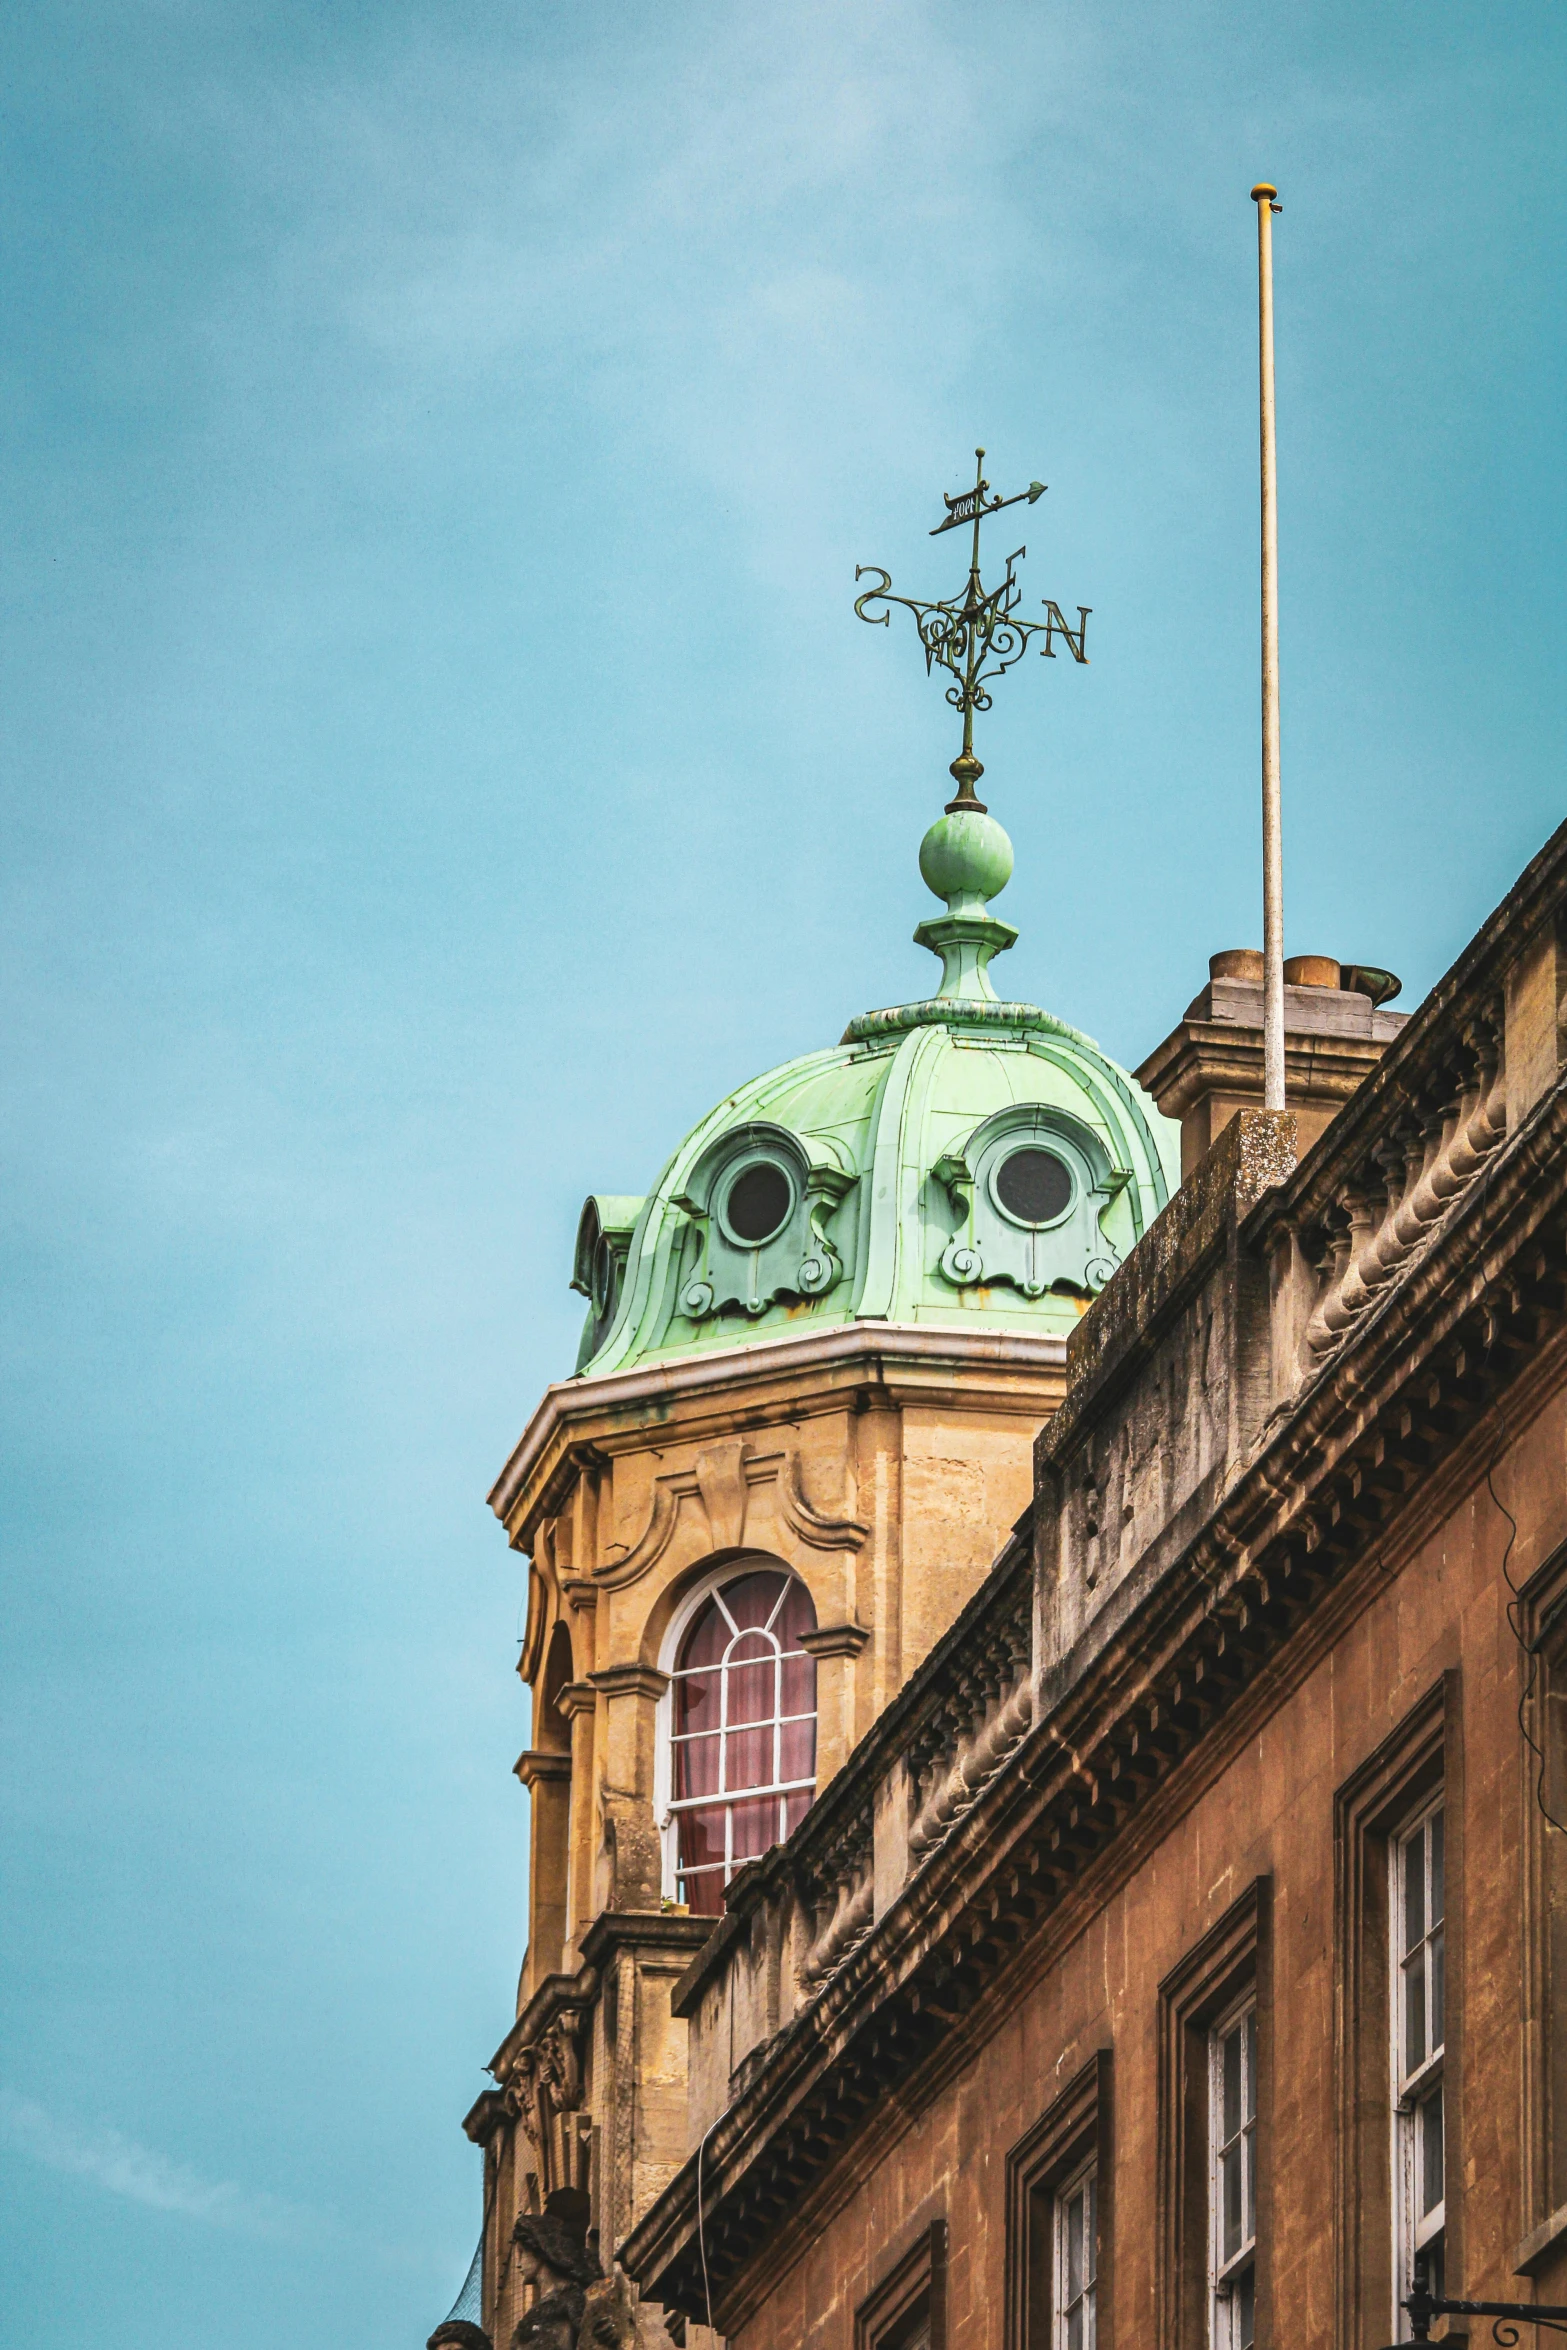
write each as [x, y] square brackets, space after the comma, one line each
[1311, 971]
[1237, 963]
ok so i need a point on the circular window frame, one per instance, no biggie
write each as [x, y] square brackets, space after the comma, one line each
[733, 1174]
[1039, 1139]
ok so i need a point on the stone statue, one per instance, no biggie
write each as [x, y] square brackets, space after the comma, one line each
[552, 2253]
[458, 2334]
[609, 2320]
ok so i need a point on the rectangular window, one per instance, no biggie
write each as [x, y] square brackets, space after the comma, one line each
[1417, 1907]
[1232, 2176]
[1398, 1878]
[907, 2310]
[1215, 2041]
[1059, 2240]
[1076, 2261]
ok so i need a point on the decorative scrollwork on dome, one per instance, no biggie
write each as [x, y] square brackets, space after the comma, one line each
[962, 1263]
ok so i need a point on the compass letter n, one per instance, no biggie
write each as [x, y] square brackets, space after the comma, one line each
[1056, 622]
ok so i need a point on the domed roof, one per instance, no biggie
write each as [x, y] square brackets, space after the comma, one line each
[954, 1162]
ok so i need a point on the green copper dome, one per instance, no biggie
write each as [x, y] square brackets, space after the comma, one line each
[954, 1162]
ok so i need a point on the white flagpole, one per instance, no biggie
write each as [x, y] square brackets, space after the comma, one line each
[1266, 201]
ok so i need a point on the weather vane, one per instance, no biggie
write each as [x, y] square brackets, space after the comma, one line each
[977, 636]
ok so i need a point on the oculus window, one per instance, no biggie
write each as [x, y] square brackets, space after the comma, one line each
[1034, 1185]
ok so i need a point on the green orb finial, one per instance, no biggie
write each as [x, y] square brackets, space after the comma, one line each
[966, 858]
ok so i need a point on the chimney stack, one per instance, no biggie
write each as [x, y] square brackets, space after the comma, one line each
[1335, 1032]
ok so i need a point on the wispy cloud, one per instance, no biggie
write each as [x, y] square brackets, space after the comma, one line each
[122, 2167]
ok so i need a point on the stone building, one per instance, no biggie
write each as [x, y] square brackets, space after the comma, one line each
[801, 1432]
[1179, 1958]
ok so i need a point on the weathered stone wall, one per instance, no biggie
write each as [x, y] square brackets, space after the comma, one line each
[1168, 1384]
[1265, 1807]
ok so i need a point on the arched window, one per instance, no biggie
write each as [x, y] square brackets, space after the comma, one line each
[742, 1730]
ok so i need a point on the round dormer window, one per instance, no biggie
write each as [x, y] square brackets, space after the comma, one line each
[1033, 1185]
[759, 1203]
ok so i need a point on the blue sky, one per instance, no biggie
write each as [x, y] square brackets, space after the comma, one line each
[441, 759]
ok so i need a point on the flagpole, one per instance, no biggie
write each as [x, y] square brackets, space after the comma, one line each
[1266, 201]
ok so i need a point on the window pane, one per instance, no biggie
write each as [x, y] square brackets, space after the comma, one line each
[1091, 2197]
[696, 1703]
[1074, 2248]
[795, 1808]
[1414, 2015]
[1414, 1891]
[708, 1637]
[795, 1616]
[753, 1692]
[1437, 1896]
[797, 1746]
[1230, 2058]
[704, 1895]
[1251, 2066]
[1431, 2167]
[1230, 2191]
[701, 1836]
[696, 1767]
[751, 1599]
[1251, 2183]
[748, 1758]
[1438, 1989]
[1246, 2310]
[755, 1828]
[799, 1684]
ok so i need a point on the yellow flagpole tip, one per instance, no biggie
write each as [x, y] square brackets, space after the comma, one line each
[1262, 190]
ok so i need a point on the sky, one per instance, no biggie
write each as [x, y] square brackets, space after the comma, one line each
[440, 759]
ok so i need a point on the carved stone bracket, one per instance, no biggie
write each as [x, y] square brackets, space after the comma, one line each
[631, 1680]
[719, 1487]
[835, 1640]
[543, 2081]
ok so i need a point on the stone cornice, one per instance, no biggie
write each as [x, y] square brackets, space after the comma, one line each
[835, 1640]
[487, 2114]
[536, 1767]
[1204, 1056]
[631, 1680]
[1335, 1475]
[887, 1355]
[645, 1929]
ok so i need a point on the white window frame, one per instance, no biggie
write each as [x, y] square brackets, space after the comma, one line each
[1225, 2274]
[666, 1809]
[1083, 2181]
[1413, 2091]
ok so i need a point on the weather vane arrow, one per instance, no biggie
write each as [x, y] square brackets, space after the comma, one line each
[976, 636]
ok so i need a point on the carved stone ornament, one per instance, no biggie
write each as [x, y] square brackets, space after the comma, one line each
[545, 2077]
[760, 1203]
[718, 1492]
[1030, 1188]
